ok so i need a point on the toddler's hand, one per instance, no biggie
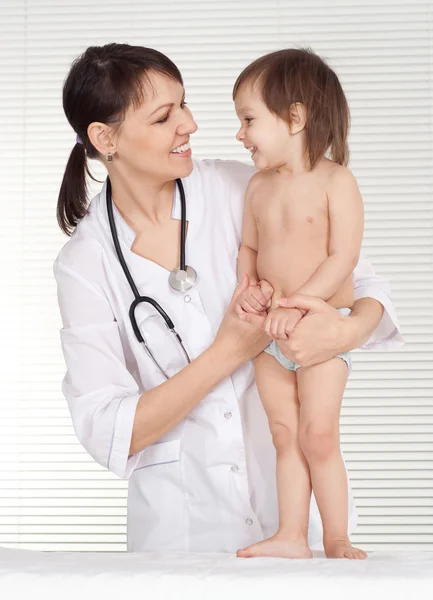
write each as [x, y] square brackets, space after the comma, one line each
[267, 290]
[255, 299]
[280, 322]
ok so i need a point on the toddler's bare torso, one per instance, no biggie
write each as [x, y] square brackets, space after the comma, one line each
[293, 227]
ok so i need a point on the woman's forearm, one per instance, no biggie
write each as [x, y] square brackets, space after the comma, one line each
[365, 317]
[163, 407]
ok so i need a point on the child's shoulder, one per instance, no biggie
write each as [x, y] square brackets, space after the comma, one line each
[341, 185]
[258, 180]
[337, 174]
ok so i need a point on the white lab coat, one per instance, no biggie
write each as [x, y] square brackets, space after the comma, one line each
[209, 484]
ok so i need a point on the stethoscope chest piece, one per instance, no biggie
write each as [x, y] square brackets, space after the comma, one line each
[182, 280]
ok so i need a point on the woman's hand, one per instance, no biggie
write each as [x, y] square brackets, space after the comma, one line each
[236, 340]
[320, 335]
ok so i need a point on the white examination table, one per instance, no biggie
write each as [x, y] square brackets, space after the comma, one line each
[27, 574]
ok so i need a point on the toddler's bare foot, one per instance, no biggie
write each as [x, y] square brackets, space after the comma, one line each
[278, 547]
[343, 549]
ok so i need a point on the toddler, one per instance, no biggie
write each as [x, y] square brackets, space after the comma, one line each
[302, 232]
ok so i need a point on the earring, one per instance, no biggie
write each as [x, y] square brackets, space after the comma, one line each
[109, 157]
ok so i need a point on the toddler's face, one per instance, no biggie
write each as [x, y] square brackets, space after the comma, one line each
[264, 134]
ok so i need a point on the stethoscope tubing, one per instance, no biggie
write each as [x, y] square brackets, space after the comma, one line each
[147, 299]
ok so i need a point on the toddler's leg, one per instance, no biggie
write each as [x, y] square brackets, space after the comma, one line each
[320, 390]
[278, 392]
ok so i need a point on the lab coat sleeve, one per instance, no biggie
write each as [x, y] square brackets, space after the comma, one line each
[368, 284]
[102, 395]
[235, 176]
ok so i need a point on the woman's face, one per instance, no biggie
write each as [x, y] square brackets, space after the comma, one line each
[154, 138]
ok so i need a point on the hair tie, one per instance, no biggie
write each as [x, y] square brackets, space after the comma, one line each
[79, 140]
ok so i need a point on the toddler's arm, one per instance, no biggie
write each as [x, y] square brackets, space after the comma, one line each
[256, 298]
[346, 220]
[247, 257]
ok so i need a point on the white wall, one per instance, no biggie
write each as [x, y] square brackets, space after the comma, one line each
[52, 495]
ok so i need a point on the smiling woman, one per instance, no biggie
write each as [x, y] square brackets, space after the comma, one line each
[142, 119]
[195, 448]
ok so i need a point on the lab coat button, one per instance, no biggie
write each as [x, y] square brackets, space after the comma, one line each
[187, 298]
[235, 468]
[249, 521]
[227, 415]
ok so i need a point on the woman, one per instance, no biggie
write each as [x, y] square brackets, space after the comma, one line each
[195, 447]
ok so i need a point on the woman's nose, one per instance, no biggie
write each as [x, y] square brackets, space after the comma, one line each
[188, 126]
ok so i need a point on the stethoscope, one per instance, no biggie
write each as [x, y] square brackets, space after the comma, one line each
[181, 279]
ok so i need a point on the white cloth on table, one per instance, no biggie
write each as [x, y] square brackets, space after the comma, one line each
[31, 575]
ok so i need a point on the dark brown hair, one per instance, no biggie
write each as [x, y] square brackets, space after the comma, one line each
[299, 75]
[101, 85]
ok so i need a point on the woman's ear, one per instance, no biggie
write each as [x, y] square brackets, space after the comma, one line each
[101, 136]
[298, 117]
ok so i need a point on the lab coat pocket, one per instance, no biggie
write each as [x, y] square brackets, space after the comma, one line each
[159, 454]
[156, 500]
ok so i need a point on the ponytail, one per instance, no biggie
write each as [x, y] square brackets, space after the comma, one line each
[72, 200]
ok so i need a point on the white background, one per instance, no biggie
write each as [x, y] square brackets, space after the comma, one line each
[52, 495]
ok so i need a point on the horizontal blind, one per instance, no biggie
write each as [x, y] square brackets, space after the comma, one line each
[53, 496]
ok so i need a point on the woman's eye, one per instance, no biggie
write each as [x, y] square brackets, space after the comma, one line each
[164, 119]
